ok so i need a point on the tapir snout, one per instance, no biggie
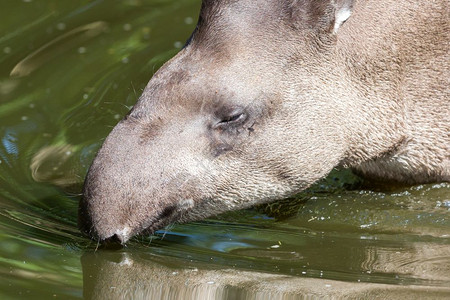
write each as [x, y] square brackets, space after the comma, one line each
[269, 96]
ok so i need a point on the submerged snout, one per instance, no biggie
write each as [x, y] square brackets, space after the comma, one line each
[101, 232]
[136, 185]
[104, 229]
[118, 229]
[114, 212]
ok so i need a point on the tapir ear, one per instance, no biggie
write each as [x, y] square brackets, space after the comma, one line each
[343, 10]
[322, 15]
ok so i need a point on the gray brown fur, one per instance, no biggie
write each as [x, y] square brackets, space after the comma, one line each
[265, 99]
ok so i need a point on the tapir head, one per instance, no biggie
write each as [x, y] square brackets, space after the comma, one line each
[240, 116]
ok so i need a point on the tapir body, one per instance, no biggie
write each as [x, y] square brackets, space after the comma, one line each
[269, 96]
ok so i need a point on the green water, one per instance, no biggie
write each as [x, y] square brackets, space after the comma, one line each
[69, 70]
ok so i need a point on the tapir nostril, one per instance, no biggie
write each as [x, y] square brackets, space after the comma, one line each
[113, 242]
[115, 239]
[119, 237]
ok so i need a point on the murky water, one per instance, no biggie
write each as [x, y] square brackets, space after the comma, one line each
[69, 70]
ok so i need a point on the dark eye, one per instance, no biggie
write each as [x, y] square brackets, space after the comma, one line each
[231, 120]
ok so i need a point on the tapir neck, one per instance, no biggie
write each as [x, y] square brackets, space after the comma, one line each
[385, 70]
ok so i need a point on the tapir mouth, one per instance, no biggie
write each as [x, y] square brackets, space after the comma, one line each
[164, 218]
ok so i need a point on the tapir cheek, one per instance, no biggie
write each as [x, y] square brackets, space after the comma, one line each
[220, 149]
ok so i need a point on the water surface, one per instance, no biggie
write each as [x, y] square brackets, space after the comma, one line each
[69, 70]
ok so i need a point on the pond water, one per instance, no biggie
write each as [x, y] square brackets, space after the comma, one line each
[69, 70]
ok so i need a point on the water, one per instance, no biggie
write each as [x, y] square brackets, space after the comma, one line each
[69, 70]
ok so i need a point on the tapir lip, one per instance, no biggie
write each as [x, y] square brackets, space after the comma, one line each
[168, 215]
[165, 217]
[122, 235]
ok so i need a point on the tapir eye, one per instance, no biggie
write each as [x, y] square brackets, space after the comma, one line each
[234, 118]
[231, 120]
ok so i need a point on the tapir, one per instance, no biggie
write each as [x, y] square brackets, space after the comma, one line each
[266, 98]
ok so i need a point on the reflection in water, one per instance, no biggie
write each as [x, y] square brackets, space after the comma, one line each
[8, 85]
[56, 47]
[115, 275]
[423, 260]
[9, 143]
[50, 165]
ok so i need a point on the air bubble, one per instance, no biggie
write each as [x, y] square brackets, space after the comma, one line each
[127, 27]
[61, 26]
